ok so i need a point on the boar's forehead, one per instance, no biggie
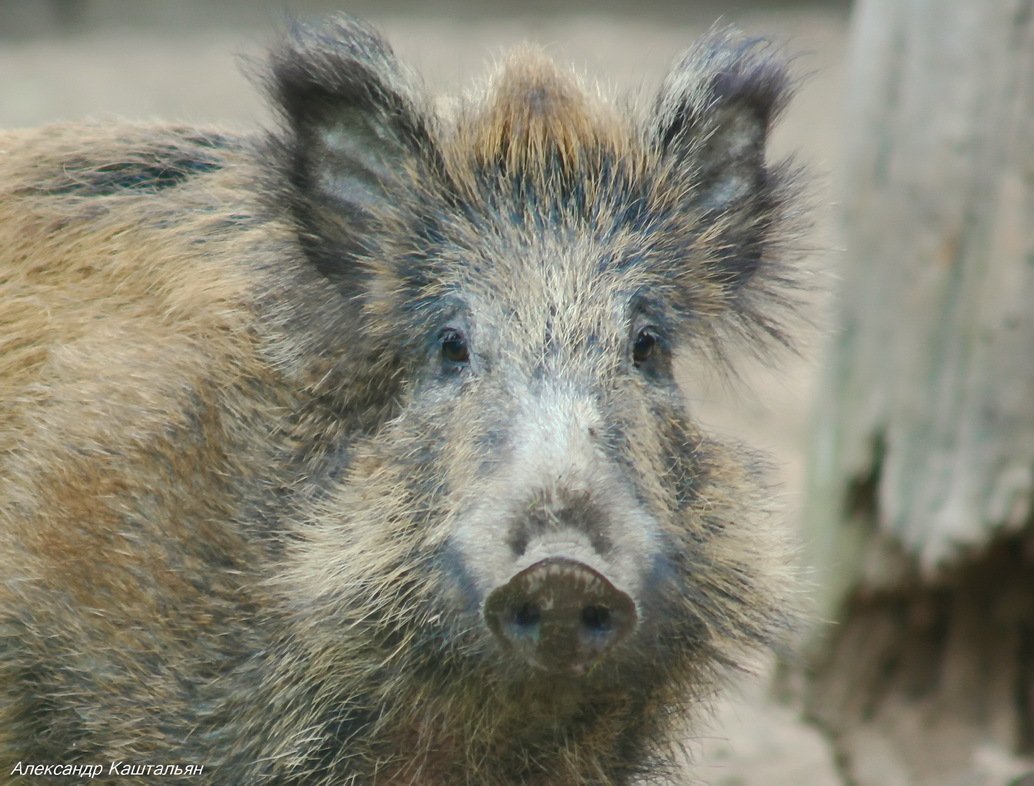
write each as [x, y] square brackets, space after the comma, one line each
[560, 201]
[546, 290]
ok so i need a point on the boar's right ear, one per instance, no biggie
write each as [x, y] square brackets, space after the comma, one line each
[357, 142]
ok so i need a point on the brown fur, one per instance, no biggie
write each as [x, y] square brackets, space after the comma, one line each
[240, 521]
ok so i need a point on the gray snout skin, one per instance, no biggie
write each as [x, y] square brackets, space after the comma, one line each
[560, 615]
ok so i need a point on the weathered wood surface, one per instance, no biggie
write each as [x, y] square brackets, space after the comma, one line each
[929, 401]
[919, 507]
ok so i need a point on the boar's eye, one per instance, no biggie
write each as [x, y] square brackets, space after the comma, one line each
[454, 347]
[645, 347]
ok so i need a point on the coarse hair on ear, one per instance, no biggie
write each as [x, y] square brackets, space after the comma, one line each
[357, 140]
[710, 124]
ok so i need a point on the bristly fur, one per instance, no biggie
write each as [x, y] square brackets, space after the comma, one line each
[250, 508]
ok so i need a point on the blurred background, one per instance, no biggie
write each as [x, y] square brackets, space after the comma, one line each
[188, 61]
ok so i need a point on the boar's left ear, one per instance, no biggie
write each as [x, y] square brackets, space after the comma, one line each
[711, 123]
[357, 142]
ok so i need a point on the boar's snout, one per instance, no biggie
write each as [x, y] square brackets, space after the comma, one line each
[560, 615]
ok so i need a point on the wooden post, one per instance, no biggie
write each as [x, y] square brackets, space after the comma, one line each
[919, 508]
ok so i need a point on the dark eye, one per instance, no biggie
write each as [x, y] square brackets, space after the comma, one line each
[454, 347]
[645, 346]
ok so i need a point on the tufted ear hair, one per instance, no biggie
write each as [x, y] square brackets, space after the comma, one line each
[711, 122]
[357, 138]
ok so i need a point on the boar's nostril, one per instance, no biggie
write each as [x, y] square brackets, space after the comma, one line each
[520, 622]
[596, 619]
[527, 616]
[560, 615]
